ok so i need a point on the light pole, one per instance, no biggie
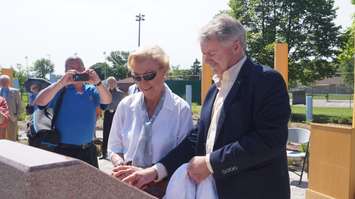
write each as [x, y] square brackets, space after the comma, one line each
[139, 18]
[105, 64]
[26, 60]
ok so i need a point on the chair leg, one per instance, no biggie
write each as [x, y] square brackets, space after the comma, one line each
[303, 165]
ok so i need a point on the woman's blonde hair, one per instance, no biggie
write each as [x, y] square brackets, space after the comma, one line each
[154, 53]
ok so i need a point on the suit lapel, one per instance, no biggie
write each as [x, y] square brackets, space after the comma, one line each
[232, 95]
[206, 112]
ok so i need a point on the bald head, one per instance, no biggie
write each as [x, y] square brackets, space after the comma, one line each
[74, 63]
[4, 81]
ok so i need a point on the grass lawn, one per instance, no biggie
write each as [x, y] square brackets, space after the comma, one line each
[320, 114]
[334, 97]
[196, 109]
[339, 112]
[323, 114]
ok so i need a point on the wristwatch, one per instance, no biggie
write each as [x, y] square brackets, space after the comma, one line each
[99, 83]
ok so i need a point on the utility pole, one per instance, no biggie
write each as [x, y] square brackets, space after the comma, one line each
[104, 53]
[26, 60]
[139, 18]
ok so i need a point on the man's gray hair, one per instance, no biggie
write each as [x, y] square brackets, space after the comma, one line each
[226, 29]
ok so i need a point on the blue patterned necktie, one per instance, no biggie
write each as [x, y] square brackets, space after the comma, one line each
[143, 156]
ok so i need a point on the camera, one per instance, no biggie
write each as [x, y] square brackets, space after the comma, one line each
[81, 77]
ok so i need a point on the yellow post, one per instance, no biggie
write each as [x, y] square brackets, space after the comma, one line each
[353, 124]
[281, 60]
[206, 81]
[9, 72]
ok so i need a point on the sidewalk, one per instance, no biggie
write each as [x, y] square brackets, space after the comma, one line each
[330, 103]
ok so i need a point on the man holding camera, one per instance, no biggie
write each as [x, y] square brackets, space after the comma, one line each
[82, 92]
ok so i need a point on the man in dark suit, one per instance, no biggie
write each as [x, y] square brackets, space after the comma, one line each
[242, 135]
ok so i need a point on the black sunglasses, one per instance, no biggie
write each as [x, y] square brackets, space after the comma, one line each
[147, 76]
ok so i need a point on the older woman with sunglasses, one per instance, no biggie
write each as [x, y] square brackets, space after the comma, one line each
[147, 124]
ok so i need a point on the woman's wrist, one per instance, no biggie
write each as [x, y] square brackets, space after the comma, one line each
[117, 160]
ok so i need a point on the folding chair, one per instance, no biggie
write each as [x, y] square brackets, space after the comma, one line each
[298, 136]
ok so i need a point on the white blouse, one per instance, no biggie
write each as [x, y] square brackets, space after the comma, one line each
[170, 127]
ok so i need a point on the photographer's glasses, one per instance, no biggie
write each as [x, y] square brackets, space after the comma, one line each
[147, 76]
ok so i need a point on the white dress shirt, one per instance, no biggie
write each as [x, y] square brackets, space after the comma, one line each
[171, 125]
[224, 85]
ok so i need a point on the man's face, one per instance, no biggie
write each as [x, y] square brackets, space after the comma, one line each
[35, 88]
[112, 83]
[219, 56]
[74, 64]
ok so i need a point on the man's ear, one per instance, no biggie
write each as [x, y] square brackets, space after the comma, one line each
[236, 46]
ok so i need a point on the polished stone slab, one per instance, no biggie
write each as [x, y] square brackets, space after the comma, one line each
[30, 173]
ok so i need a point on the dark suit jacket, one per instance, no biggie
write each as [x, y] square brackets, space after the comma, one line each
[249, 155]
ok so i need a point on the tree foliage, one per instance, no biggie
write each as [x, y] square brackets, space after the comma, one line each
[116, 66]
[43, 67]
[194, 73]
[21, 73]
[346, 57]
[307, 27]
[118, 58]
[196, 70]
[176, 73]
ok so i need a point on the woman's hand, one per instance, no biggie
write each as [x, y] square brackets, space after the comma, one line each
[122, 171]
[141, 177]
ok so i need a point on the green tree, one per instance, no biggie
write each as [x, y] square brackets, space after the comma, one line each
[120, 72]
[102, 69]
[21, 73]
[42, 67]
[118, 58]
[346, 57]
[307, 27]
[118, 61]
[176, 73]
[196, 70]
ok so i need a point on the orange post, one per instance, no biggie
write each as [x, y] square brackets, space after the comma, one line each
[281, 60]
[206, 81]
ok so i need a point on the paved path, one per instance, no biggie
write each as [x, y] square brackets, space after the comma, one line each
[331, 103]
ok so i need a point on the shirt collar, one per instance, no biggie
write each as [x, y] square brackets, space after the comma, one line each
[229, 76]
[169, 102]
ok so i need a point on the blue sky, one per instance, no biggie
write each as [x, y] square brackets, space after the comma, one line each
[57, 29]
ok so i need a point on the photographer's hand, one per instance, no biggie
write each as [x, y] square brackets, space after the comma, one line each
[93, 77]
[47, 94]
[105, 95]
[67, 79]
